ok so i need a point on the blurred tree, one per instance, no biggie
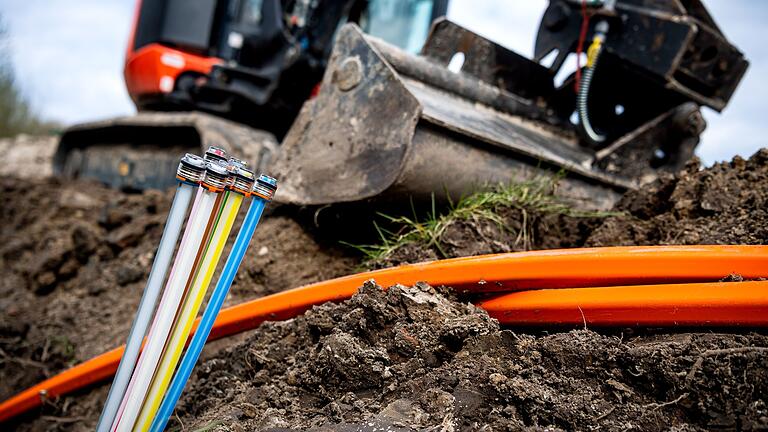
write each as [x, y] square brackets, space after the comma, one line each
[16, 114]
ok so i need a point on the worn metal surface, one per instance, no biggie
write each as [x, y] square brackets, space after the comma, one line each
[422, 70]
[671, 138]
[395, 135]
[440, 164]
[488, 61]
[348, 143]
[142, 151]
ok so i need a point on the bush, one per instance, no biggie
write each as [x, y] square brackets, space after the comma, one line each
[16, 114]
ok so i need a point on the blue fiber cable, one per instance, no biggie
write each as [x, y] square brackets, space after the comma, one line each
[262, 196]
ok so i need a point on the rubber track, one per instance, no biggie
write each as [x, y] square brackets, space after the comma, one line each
[565, 268]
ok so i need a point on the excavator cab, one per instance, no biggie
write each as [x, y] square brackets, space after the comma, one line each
[230, 73]
[254, 61]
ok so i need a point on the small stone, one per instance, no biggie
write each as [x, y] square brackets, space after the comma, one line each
[249, 410]
[497, 379]
[44, 281]
[76, 199]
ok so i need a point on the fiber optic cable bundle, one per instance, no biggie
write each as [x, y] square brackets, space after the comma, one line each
[139, 388]
[195, 239]
[239, 186]
[263, 190]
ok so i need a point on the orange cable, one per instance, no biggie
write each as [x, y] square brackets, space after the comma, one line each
[564, 268]
[697, 304]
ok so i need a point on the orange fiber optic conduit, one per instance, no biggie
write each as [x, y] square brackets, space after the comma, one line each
[714, 304]
[644, 267]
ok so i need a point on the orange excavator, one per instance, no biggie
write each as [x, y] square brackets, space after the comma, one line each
[385, 122]
[353, 100]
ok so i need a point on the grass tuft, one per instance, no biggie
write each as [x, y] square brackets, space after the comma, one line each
[530, 197]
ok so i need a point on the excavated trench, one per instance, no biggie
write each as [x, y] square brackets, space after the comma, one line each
[75, 257]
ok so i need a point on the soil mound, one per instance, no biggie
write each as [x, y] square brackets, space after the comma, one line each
[416, 358]
[724, 204]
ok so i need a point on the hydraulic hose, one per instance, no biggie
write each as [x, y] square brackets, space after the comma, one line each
[195, 237]
[233, 198]
[711, 304]
[189, 174]
[566, 268]
[263, 191]
[582, 99]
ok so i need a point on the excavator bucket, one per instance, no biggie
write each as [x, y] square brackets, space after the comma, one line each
[387, 124]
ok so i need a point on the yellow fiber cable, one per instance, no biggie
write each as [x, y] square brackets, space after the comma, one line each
[189, 311]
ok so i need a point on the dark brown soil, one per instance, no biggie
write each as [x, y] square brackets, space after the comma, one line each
[75, 257]
[724, 204]
[412, 358]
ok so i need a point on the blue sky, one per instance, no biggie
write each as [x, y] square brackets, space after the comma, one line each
[68, 57]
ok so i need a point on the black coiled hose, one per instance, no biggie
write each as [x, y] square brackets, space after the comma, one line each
[582, 100]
